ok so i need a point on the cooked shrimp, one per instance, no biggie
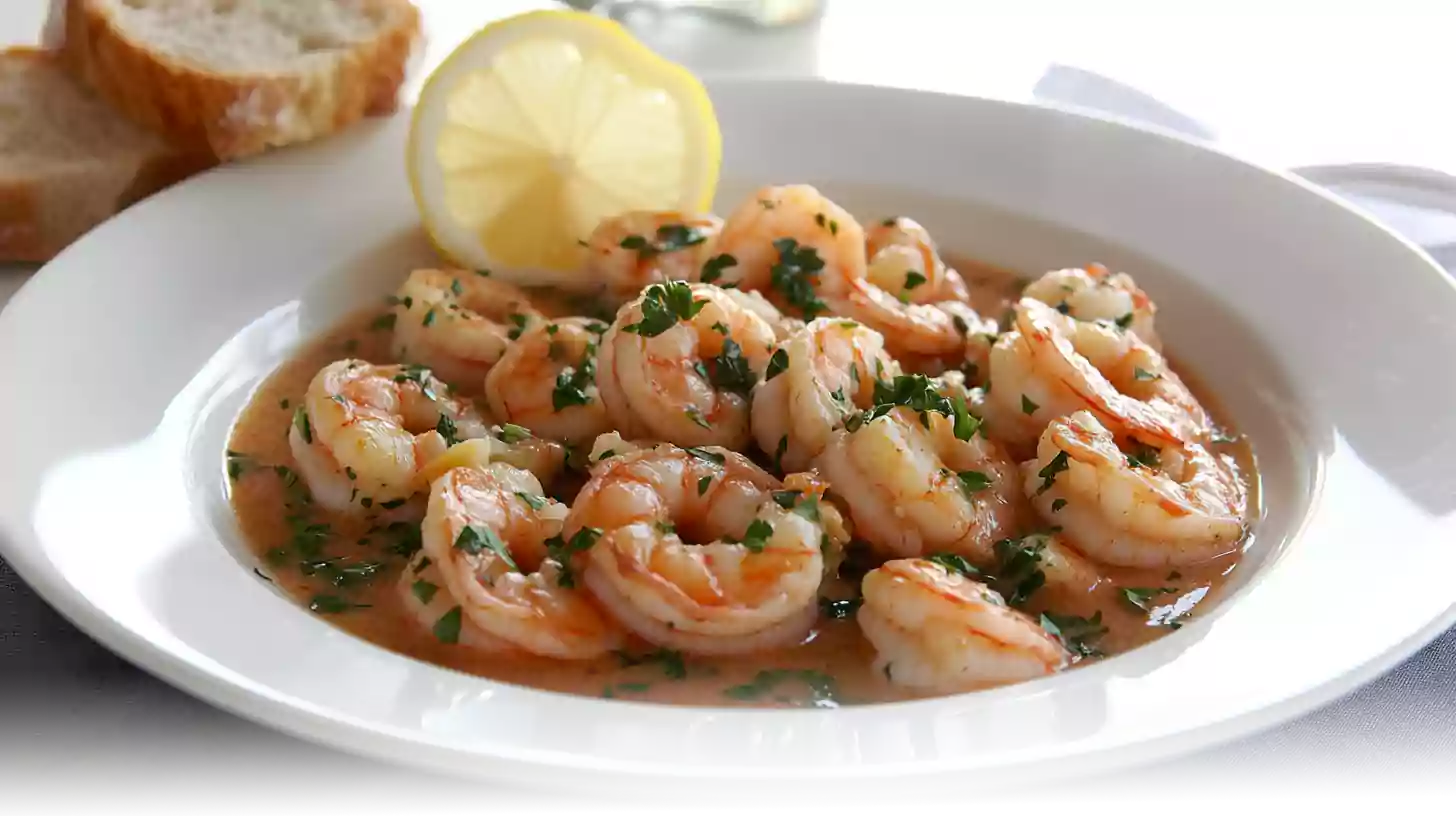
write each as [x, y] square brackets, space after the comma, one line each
[365, 432]
[546, 381]
[1155, 508]
[795, 220]
[631, 251]
[1093, 293]
[913, 488]
[421, 591]
[487, 532]
[904, 262]
[1053, 574]
[938, 630]
[816, 379]
[458, 323]
[783, 325]
[679, 363]
[752, 581]
[1052, 365]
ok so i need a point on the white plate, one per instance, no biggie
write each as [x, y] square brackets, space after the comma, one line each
[1329, 339]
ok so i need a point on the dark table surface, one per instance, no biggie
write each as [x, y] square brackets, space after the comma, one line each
[85, 732]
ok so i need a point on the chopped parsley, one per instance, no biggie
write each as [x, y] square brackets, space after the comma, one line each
[713, 269]
[1078, 634]
[476, 540]
[305, 429]
[573, 381]
[446, 428]
[1142, 597]
[663, 306]
[1018, 564]
[1027, 406]
[238, 464]
[756, 537]
[973, 481]
[914, 279]
[533, 502]
[1058, 504]
[692, 412]
[706, 455]
[778, 363]
[424, 591]
[1143, 374]
[447, 628]
[703, 484]
[520, 322]
[429, 317]
[511, 434]
[730, 370]
[1049, 473]
[1125, 321]
[796, 274]
[561, 550]
[952, 563]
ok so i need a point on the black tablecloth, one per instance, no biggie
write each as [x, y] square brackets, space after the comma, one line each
[85, 732]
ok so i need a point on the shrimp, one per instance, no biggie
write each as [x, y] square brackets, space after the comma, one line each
[1156, 508]
[816, 379]
[1043, 571]
[783, 325]
[365, 432]
[546, 381]
[420, 592]
[488, 532]
[938, 630]
[913, 488]
[458, 323]
[750, 584]
[1052, 365]
[795, 220]
[679, 363]
[1094, 294]
[905, 262]
[631, 251]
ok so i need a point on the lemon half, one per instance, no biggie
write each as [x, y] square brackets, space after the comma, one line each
[541, 125]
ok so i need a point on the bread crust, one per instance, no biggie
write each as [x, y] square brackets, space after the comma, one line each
[233, 116]
[45, 209]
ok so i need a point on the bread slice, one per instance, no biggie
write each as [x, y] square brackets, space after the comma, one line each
[67, 160]
[235, 77]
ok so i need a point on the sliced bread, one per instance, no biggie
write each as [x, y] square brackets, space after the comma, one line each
[67, 160]
[235, 77]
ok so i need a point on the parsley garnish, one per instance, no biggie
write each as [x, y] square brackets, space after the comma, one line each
[914, 279]
[1143, 374]
[300, 421]
[561, 550]
[672, 662]
[778, 363]
[1142, 597]
[533, 502]
[1125, 321]
[706, 455]
[424, 591]
[384, 322]
[952, 563]
[795, 275]
[474, 541]
[572, 383]
[973, 481]
[730, 370]
[756, 537]
[1143, 456]
[446, 428]
[1078, 634]
[1049, 473]
[511, 434]
[1027, 406]
[696, 416]
[447, 628]
[713, 269]
[663, 306]
[1019, 563]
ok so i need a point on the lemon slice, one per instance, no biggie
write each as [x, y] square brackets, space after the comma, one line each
[541, 125]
